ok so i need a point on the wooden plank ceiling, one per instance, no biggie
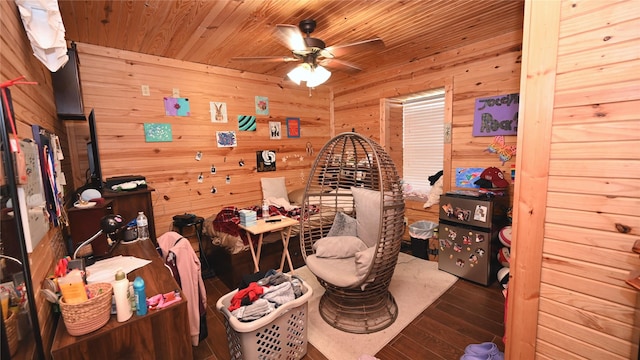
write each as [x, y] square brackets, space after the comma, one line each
[213, 32]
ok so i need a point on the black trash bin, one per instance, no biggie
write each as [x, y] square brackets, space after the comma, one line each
[420, 232]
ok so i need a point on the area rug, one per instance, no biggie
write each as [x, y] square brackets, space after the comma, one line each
[415, 285]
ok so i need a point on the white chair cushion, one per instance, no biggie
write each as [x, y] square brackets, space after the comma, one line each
[368, 215]
[338, 272]
[338, 247]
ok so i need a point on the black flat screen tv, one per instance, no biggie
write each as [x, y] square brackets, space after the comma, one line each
[94, 176]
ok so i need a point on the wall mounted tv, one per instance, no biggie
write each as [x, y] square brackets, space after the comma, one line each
[94, 173]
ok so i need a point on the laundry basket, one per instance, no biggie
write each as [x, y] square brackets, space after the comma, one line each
[281, 334]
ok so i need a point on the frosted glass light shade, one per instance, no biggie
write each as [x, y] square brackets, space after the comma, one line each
[312, 76]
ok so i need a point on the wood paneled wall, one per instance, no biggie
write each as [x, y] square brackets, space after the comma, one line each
[33, 104]
[573, 235]
[488, 68]
[111, 83]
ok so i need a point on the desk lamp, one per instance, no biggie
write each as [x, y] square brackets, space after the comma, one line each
[109, 224]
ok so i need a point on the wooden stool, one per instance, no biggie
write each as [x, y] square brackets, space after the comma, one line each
[197, 223]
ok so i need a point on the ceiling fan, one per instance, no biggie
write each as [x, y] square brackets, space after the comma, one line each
[313, 53]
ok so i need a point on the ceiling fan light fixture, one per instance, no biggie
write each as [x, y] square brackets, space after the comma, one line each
[312, 76]
[318, 76]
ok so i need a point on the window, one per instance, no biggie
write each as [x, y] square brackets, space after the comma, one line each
[423, 140]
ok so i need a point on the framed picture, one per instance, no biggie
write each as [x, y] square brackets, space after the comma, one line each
[275, 130]
[293, 127]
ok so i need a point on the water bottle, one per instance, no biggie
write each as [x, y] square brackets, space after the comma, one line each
[140, 295]
[142, 225]
[265, 210]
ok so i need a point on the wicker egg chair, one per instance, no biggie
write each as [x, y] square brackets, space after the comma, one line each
[353, 175]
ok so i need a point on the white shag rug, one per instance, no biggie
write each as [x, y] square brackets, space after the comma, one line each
[415, 285]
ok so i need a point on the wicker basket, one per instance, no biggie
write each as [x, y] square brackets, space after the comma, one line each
[11, 326]
[90, 315]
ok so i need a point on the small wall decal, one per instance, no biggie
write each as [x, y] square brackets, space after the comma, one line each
[226, 139]
[154, 132]
[175, 106]
[275, 130]
[262, 105]
[505, 152]
[293, 127]
[199, 155]
[213, 169]
[218, 112]
[247, 123]
[266, 160]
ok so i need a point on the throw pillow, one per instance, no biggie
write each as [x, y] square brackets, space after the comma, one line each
[367, 204]
[274, 188]
[343, 225]
[338, 247]
[296, 197]
[363, 261]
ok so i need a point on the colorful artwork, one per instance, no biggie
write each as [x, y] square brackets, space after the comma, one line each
[275, 130]
[157, 132]
[226, 139]
[293, 127]
[504, 151]
[262, 105]
[218, 112]
[246, 123]
[176, 106]
[266, 160]
[465, 177]
[496, 115]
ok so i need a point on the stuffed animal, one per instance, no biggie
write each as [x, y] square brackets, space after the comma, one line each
[434, 194]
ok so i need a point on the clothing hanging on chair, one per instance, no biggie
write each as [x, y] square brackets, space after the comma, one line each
[178, 254]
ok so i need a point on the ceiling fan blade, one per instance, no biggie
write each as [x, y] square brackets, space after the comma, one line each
[291, 37]
[340, 65]
[364, 45]
[266, 58]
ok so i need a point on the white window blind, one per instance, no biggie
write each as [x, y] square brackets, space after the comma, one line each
[423, 140]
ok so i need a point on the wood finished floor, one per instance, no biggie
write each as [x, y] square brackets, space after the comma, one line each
[465, 314]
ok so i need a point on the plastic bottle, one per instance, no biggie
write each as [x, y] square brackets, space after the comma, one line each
[265, 210]
[141, 296]
[121, 294]
[142, 225]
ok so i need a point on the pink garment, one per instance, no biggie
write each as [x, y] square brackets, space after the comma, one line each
[189, 269]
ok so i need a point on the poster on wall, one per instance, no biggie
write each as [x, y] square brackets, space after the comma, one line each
[266, 160]
[465, 177]
[293, 127]
[218, 112]
[226, 139]
[496, 115]
[247, 123]
[154, 132]
[275, 130]
[175, 106]
[262, 105]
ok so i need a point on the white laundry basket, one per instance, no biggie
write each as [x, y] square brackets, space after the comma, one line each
[280, 335]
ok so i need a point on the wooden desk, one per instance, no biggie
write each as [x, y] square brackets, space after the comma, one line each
[161, 334]
[263, 227]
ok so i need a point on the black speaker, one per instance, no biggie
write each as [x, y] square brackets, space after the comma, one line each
[67, 89]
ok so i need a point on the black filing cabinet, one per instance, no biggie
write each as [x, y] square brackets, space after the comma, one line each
[468, 234]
